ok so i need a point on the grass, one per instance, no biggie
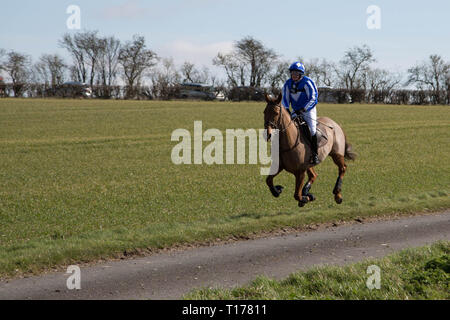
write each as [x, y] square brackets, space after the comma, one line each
[83, 180]
[420, 273]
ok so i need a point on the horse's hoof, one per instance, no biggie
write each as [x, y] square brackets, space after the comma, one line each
[276, 191]
[303, 200]
[338, 199]
[279, 189]
[311, 197]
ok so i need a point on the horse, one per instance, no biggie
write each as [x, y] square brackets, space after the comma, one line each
[295, 153]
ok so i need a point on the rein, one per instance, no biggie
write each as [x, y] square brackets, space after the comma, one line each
[278, 125]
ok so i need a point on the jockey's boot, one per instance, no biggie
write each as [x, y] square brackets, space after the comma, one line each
[314, 150]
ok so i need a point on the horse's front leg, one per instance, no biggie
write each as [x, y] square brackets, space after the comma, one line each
[276, 190]
[299, 178]
[312, 176]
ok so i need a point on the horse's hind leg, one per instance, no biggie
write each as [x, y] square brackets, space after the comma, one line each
[312, 176]
[299, 178]
[276, 190]
[339, 160]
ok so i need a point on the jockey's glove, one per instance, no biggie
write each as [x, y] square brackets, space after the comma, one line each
[293, 115]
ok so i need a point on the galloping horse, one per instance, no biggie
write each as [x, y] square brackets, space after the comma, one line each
[294, 153]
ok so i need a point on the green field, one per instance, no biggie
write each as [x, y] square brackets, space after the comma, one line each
[82, 180]
[420, 273]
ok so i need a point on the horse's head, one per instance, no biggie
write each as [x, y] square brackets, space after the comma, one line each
[272, 114]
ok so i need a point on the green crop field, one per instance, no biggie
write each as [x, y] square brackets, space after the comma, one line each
[82, 180]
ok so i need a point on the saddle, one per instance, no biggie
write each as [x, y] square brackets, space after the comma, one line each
[322, 137]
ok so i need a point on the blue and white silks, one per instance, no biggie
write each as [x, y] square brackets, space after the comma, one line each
[303, 97]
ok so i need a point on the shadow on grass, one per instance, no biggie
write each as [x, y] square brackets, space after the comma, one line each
[258, 216]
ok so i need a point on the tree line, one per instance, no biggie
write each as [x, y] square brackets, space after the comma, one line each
[105, 62]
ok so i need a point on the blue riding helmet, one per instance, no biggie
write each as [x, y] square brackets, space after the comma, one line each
[297, 66]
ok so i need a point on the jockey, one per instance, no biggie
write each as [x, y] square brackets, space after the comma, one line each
[301, 92]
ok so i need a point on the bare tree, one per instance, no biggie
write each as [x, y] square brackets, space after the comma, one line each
[380, 85]
[204, 76]
[250, 62]
[321, 71]
[17, 67]
[85, 48]
[351, 69]
[188, 71]
[257, 58]
[74, 73]
[108, 64]
[79, 69]
[431, 75]
[135, 59]
[234, 69]
[2, 54]
[92, 45]
[278, 76]
[447, 86]
[40, 74]
[164, 79]
[50, 70]
[2, 83]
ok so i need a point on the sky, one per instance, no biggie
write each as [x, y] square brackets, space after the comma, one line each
[196, 30]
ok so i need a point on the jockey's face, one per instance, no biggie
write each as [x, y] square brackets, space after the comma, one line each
[295, 75]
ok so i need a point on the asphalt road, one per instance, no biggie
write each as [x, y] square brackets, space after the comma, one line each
[170, 275]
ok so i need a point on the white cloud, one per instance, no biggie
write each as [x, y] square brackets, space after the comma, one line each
[200, 54]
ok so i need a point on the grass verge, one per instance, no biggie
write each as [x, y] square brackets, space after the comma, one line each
[419, 273]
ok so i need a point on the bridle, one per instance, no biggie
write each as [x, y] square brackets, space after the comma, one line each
[281, 130]
[278, 125]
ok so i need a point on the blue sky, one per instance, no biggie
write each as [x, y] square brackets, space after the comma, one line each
[196, 30]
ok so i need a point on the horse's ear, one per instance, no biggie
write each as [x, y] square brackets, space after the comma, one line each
[268, 99]
[279, 98]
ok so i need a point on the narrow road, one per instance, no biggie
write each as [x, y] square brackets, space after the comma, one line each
[170, 275]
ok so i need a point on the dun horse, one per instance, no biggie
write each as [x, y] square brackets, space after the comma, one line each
[295, 152]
